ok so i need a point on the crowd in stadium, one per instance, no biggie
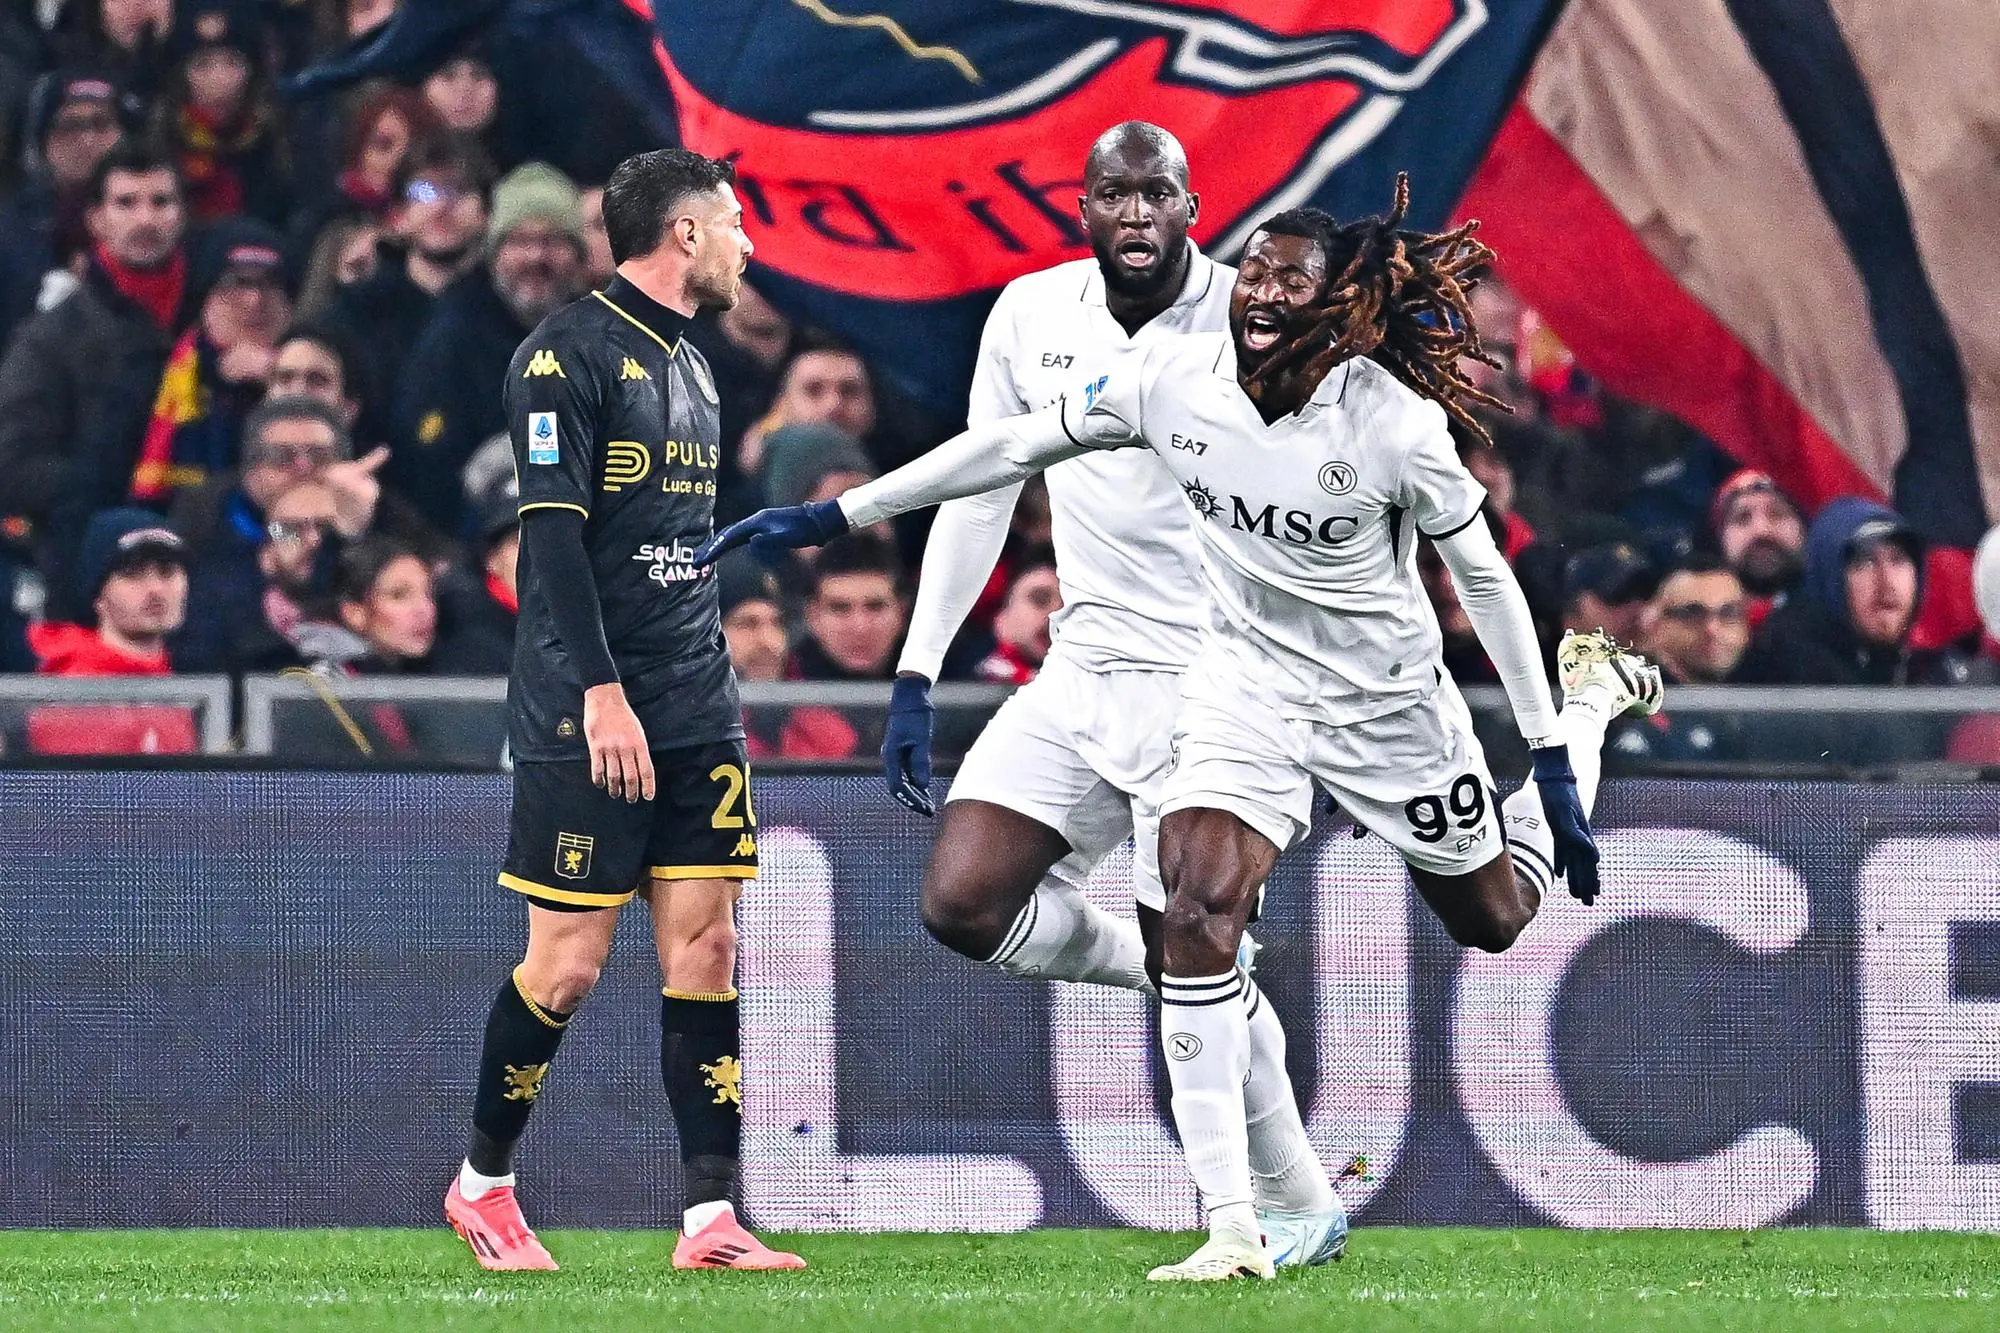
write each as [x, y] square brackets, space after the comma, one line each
[251, 353]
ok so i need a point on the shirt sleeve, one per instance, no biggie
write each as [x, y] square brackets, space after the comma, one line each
[994, 394]
[1493, 602]
[983, 458]
[553, 395]
[1437, 490]
[1104, 413]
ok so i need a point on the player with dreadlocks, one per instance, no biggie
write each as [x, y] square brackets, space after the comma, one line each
[1313, 442]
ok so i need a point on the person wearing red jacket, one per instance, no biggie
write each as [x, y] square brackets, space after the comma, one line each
[135, 571]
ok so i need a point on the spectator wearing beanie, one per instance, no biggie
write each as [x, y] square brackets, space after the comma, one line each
[804, 464]
[128, 41]
[78, 382]
[135, 581]
[1761, 534]
[75, 117]
[219, 367]
[220, 115]
[448, 401]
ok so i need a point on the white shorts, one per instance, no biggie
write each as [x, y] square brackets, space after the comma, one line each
[1415, 778]
[1085, 753]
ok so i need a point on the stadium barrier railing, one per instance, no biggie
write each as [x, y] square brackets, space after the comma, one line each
[115, 715]
[255, 999]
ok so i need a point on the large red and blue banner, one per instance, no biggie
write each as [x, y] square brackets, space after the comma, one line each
[902, 160]
[1768, 216]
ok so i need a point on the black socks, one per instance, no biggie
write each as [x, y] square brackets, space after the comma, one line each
[521, 1040]
[700, 1066]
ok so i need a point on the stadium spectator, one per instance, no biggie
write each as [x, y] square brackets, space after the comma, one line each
[462, 91]
[806, 464]
[856, 614]
[1021, 629]
[319, 363]
[342, 254]
[820, 384]
[479, 609]
[1697, 626]
[1695, 630]
[598, 266]
[1606, 587]
[753, 622]
[74, 119]
[136, 584]
[127, 39]
[1762, 536]
[218, 369]
[381, 135]
[385, 594]
[286, 619]
[78, 381]
[1464, 658]
[1849, 622]
[220, 115]
[449, 399]
[431, 238]
[286, 441]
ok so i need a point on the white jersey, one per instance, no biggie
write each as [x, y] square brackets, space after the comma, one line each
[1308, 525]
[1125, 548]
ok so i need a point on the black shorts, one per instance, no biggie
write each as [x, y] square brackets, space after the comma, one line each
[573, 847]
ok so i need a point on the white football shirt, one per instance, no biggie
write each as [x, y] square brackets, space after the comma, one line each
[1308, 525]
[1125, 547]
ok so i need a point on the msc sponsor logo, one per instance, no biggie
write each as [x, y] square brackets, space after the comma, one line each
[1295, 527]
[669, 563]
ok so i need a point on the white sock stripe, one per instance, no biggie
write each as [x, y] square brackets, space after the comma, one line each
[1017, 935]
[1224, 998]
[1253, 998]
[1535, 857]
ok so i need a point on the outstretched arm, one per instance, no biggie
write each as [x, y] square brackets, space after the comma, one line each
[984, 458]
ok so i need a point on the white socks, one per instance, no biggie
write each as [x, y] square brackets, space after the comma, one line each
[1059, 936]
[1580, 727]
[1285, 1171]
[1206, 1035]
[472, 1185]
[699, 1216]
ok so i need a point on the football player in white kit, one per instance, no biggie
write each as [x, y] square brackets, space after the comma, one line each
[1073, 763]
[1313, 441]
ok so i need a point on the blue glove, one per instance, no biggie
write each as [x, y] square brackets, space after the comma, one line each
[906, 744]
[1576, 849]
[771, 530]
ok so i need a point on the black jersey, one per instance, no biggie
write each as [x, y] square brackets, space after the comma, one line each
[614, 414]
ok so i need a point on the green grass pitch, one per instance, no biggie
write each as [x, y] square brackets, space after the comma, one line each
[304, 1281]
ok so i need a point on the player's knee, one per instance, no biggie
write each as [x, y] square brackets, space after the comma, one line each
[962, 918]
[1496, 929]
[561, 985]
[705, 959]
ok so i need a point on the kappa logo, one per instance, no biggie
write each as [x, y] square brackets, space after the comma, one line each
[630, 370]
[573, 855]
[955, 165]
[543, 363]
[746, 845]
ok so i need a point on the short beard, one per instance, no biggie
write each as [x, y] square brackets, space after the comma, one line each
[1761, 584]
[1137, 289]
[451, 258]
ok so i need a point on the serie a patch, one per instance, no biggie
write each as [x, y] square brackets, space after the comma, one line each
[544, 442]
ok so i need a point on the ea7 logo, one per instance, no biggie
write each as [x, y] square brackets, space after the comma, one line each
[543, 363]
[1190, 444]
[1057, 359]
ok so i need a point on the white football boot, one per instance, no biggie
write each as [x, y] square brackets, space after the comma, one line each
[1304, 1240]
[1594, 661]
[1219, 1260]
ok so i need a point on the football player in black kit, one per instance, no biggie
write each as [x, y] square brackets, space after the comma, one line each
[630, 775]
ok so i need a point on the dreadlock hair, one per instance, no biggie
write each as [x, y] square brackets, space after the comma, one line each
[1401, 298]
